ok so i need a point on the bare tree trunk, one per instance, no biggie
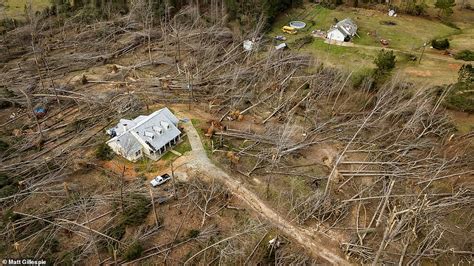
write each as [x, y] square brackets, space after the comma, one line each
[121, 188]
[153, 205]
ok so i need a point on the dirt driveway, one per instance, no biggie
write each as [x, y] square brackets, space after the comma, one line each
[316, 243]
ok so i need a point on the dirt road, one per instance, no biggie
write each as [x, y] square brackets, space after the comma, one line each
[316, 243]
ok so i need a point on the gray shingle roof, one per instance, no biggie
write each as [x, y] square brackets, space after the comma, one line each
[151, 132]
[347, 26]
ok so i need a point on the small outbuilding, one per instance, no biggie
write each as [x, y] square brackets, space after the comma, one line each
[343, 31]
[149, 136]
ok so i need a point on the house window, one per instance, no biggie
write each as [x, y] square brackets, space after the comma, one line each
[138, 153]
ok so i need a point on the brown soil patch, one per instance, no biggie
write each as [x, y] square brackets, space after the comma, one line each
[321, 153]
[114, 166]
[454, 66]
[419, 73]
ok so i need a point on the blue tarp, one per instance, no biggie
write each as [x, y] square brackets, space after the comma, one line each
[40, 110]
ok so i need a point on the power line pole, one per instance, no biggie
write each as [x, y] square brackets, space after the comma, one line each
[422, 52]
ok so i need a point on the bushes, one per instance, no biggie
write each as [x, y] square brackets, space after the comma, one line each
[441, 44]
[3, 146]
[370, 78]
[385, 61]
[466, 55]
[104, 152]
[9, 24]
[331, 4]
[10, 216]
[4, 180]
[414, 8]
[300, 42]
[466, 74]
[461, 96]
[253, 9]
[6, 94]
[274, 7]
[116, 232]
[8, 186]
[445, 7]
[136, 211]
[361, 77]
[134, 251]
[8, 190]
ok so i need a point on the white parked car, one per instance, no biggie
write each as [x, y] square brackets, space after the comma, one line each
[160, 180]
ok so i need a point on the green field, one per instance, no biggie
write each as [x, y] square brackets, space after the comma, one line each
[463, 40]
[409, 33]
[16, 8]
[406, 37]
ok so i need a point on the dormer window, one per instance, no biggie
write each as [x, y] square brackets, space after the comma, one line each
[158, 130]
[165, 125]
[149, 134]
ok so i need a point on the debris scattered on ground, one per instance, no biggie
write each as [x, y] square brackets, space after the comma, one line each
[448, 52]
[274, 243]
[319, 34]
[249, 45]
[215, 126]
[40, 112]
[235, 115]
[232, 157]
[280, 38]
[281, 46]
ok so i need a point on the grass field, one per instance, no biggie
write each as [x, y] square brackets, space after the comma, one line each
[409, 33]
[16, 8]
[406, 37]
[463, 40]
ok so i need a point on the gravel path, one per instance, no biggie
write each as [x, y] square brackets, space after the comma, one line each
[316, 243]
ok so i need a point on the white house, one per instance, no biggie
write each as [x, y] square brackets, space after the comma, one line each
[148, 136]
[343, 31]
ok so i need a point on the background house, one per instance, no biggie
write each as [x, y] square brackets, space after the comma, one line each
[148, 136]
[343, 31]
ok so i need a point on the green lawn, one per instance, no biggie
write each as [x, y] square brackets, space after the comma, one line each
[183, 147]
[408, 34]
[406, 37]
[463, 40]
[16, 8]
